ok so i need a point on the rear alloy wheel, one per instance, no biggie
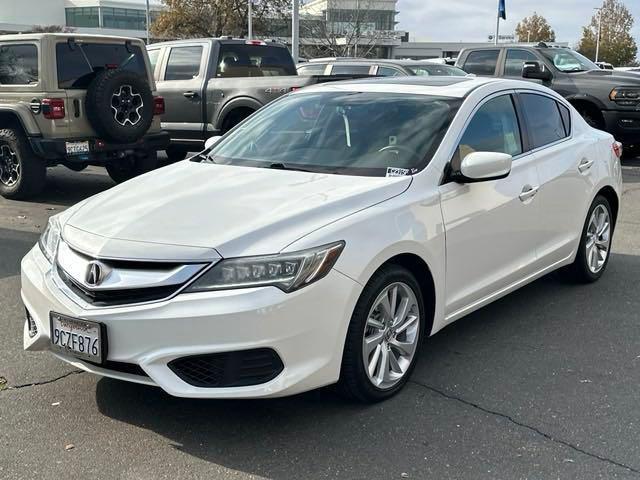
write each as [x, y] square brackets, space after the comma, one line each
[384, 336]
[595, 245]
[22, 173]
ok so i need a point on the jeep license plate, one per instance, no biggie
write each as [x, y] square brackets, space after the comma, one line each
[77, 148]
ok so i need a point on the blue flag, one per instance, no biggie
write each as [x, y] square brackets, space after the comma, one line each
[502, 10]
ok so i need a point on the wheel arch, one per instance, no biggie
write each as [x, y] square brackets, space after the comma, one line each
[589, 103]
[610, 194]
[240, 103]
[12, 118]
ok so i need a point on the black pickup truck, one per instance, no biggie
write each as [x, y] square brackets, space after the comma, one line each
[607, 99]
[210, 85]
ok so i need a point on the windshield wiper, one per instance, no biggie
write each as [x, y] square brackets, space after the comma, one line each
[284, 166]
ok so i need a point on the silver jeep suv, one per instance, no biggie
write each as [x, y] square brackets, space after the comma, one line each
[75, 100]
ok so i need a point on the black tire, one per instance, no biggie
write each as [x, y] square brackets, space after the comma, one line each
[234, 117]
[28, 172]
[127, 92]
[123, 169]
[354, 382]
[579, 270]
[591, 115]
[176, 153]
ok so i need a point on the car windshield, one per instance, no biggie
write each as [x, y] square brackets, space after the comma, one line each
[350, 133]
[435, 69]
[567, 60]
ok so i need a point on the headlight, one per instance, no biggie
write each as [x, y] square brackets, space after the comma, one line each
[625, 95]
[50, 238]
[287, 271]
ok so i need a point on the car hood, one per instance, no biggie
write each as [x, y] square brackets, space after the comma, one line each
[622, 78]
[233, 210]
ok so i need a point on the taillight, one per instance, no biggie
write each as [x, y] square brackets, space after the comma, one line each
[255, 42]
[53, 108]
[293, 89]
[158, 106]
[617, 149]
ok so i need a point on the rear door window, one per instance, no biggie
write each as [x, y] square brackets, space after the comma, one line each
[184, 63]
[79, 63]
[18, 64]
[154, 55]
[566, 118]
[516, 58]
[544, 121]
[351, 70]
[389, 72]
[482, 62]
[241, 60]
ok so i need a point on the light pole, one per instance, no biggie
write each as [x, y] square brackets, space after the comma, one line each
[148, 20]
[249, 19]
[295, 30]
[599, 32]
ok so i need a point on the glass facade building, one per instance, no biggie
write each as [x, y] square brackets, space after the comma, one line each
[108, 17]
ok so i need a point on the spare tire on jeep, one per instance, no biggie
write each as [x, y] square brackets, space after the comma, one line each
[119, 105]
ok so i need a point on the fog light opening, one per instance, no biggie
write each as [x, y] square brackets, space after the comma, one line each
[31, 324]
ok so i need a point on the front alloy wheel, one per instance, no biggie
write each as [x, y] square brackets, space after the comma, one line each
[9, 166]
[390, 337]
[384, 336]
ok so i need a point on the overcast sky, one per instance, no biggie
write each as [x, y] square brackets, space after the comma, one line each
[473, 20]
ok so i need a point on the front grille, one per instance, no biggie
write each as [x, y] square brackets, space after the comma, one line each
[229, 369]
[107, 298]
[121, 367]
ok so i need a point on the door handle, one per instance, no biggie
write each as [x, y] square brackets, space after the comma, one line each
[528, 192]
[190, 94]
[585, 165]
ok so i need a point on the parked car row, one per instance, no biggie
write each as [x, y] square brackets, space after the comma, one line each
[78, 100]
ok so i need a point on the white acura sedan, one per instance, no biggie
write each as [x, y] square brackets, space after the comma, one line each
[322, 239]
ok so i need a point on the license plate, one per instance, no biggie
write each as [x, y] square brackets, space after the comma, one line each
[76, 337]
[77, 148]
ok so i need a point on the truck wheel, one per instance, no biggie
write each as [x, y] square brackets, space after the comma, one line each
[119, 105]
[234, 118]
[591, 115]
[22, 173]
[175, 153]
[123, 169]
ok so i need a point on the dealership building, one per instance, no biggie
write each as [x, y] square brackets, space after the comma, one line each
[107, 17]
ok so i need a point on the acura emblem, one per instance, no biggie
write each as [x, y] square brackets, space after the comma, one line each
[95, 273]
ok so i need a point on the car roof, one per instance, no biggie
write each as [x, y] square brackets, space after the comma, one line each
[226, 40]
[371, 61]
[455, 87]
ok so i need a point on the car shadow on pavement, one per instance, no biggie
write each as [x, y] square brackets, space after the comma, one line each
[14, 245]
[65, 187]
[501, 355]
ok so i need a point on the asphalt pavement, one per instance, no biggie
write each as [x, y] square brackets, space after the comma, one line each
[543, 384]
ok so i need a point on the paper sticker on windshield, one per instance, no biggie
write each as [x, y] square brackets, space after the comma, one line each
[397, 172]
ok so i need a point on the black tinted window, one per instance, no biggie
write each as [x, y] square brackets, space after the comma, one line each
[493, 128]
[78, 63]
[18, 64]
[350, 70]
[184, 63]
[543, 119]
[312, 69]
[566, 118]
[516, 59]
[482, 62]
[241, 60]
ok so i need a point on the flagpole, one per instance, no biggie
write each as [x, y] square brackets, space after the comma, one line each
[497, 23]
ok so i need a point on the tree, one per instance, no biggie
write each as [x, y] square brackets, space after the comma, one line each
[213, 18]
[535, 29]
[617, 46]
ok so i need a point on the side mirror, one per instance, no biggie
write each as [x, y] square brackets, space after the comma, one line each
[483, 166]
[211, 141]
[535, 71]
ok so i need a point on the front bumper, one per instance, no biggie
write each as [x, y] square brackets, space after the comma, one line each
[624, 125]
[56, 149]
[306, 329]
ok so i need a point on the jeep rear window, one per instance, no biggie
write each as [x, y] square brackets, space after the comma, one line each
[18, 64]
[240, 60]
[79, 63]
